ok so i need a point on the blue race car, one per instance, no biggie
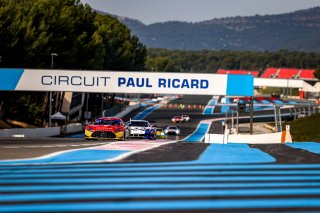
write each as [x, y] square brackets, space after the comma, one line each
[150, 134]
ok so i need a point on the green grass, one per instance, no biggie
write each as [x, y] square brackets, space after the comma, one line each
[306, 129]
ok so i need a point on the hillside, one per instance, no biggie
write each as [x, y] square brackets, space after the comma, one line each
[296, 31]
[306, 129]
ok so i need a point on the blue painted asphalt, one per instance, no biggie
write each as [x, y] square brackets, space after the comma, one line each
[198, 134]
[234, 153]
[74, 156]
[159, 194]
[165, 205]
[164, 166]
[309, 146]
[210, 107]
[215, 153]
[96, 174]
[157, 186]
[279, 102]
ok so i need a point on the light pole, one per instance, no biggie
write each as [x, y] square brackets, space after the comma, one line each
[50, 93]
[52, 59]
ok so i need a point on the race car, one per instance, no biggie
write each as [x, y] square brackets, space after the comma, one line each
[172, 130]
[177, 119]
[107, 128]
[150, 134]
[160, 133]
[138, 128]
[185, 118]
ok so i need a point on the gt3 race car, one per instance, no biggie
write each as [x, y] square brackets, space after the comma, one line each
[138, 128]
[172, 130]
[185, 118]
[107, 128]
[160, 133]
[177, 119]
[151, 134]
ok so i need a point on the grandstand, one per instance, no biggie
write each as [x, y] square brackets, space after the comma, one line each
[288, 73]
[239, 72]
[282, 73]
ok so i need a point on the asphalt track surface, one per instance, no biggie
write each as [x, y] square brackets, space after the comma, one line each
[174, 177]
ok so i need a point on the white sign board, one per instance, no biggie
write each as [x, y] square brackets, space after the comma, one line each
[126, 82]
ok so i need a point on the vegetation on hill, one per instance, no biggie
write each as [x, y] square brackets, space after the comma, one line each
[296, 31]
[306, 129]
[210, 61]
[31, 30]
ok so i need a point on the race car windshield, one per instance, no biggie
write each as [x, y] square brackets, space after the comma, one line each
[138, 123]
[107, 122]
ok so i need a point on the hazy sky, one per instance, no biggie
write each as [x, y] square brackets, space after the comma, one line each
[151, 11]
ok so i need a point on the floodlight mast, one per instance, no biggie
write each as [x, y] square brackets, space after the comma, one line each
[50, 93]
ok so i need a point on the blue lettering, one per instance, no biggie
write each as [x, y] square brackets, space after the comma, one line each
[194, 83]
[130, 82]
[148, 83]
[204, 84]
[185, 83]
[140, 83]
[121, 81]
[175, 83]
[162, 83]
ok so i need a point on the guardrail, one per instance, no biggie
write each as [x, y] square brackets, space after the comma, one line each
[40, 132]
[30, 133]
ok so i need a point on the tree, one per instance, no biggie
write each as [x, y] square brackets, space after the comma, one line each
[317, 73]
[30, 30]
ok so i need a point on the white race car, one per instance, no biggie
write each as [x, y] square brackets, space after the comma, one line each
[172, 130]
[138, 128]
[185, 118]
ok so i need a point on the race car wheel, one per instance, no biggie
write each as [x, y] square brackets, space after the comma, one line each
[128, 138]
[124, 136]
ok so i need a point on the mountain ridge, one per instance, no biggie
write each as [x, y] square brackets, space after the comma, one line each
[294, 31]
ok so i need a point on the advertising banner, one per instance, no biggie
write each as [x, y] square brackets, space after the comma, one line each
[125, 82]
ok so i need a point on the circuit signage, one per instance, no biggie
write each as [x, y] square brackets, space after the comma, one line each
[125, 82]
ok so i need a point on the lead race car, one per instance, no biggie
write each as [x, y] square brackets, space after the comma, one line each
[107, 128]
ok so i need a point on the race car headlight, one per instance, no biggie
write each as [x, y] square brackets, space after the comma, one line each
[118, 130]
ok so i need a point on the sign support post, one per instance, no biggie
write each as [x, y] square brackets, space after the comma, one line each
[251, 115]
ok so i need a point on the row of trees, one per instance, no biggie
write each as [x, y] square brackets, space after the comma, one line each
[210, 61]
[31, 30]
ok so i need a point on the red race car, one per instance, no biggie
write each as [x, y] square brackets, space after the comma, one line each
[107, 128]
[177, 119]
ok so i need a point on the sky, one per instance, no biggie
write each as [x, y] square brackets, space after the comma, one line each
[152, 11]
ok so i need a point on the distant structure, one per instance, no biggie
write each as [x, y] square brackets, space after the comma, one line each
[311, 84]
[239, 72]
[289, 73]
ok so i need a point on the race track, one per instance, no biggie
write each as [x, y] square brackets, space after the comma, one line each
[159, 176]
